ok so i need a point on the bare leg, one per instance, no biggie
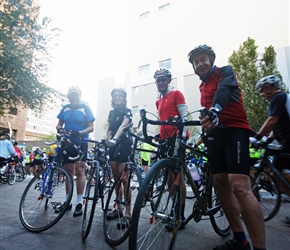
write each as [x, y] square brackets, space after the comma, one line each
[81, 179]
[236, 197]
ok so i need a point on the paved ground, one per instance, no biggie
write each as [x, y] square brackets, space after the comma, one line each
[67, 233]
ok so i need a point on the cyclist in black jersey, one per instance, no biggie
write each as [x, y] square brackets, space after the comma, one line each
[277, 124]
[120, 146]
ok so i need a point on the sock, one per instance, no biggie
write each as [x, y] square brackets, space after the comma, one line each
[182, 211]
[241, 237]
[80, 199]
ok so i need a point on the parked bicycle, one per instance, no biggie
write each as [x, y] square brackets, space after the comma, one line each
[99, 183]
[41, 197]
[20, 171]
[116, 231]
[268, 181]
[148, 221]
[7, 171]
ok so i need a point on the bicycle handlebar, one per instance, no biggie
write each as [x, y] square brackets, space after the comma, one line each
[176, 121]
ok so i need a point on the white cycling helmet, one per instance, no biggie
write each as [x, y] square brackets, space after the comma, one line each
[74, 89]
[273, 80]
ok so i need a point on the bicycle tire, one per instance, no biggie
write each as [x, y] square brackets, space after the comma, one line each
[218, 220]
[11, 177]
[90, 199]
[148, 222]
[20, 174]
[268, 194]
[116, 231]
[36, 211]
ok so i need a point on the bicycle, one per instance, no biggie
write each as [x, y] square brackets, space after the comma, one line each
[116, 230]
[41, 197]
[20, 171]
[7, 171]
[99, 183]
[148, 222]
[268, 181]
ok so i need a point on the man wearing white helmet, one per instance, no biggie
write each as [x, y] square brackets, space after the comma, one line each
[277, 125]
[75, 119]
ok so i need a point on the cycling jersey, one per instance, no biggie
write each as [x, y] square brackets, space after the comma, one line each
[221, 88]
[76, 119]
[167, 106]
[280, 106]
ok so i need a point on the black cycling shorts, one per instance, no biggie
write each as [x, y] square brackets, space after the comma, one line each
[144, 163]
[121, 151]
[229, 153]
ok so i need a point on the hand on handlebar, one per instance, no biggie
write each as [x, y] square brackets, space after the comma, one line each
[60, 131]
[209, 116]
[74, 133]
[112, 143]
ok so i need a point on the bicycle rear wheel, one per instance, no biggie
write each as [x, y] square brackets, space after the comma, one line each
[218, 220]
[148, 225]
[11, 176]
[20, 174]
[41, 198]
[116, 228]
[90, 199]
[268, 194]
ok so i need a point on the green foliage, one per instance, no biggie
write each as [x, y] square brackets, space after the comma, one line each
[24, 56]
[48, 138]
[249, 67]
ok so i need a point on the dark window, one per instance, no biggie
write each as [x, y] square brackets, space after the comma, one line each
[13, 111]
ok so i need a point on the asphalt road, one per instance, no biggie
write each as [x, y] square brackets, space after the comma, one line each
[66, 234]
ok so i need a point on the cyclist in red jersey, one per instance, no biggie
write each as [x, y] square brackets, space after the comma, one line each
[170, 104]
[227, 131]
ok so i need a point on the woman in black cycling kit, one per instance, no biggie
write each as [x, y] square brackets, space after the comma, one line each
[120, 145]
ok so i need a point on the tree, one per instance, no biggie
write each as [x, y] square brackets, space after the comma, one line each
[249, 67]
[24, 56]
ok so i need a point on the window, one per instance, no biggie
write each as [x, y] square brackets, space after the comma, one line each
[13, 111]
[165, 64]
[164, 7]
[144, 70]
[144, 16]
[135, 110]
[135, 90]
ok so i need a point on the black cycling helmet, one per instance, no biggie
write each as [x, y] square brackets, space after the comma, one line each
[201, 49]
[273, 80]
[121, 90]
[162, 72]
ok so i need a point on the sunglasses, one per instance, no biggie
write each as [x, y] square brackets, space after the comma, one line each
[162, 79]
[118, 95]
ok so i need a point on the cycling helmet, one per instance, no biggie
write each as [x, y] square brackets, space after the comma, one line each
[121, 90]
[201, 49]
[162, 72]
[74, 89]
[273, 80]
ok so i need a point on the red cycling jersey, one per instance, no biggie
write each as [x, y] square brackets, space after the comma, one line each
[233, 113]
[167, 106]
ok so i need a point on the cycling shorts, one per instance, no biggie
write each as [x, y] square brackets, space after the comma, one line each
[229, 153]
[122, 151]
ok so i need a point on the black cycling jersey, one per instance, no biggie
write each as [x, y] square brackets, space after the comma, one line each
[280, 106]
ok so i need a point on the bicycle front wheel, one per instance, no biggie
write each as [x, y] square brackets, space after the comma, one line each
[153, 214]
[41, 198]
[90, 199]
[118, 210]
[268, 194]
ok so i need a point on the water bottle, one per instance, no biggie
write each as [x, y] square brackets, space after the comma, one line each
[195, 174]
[286, 173]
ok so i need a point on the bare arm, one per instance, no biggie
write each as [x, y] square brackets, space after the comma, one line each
[268, 125]
[120, 131]
[59, 125]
